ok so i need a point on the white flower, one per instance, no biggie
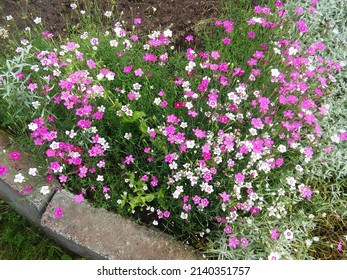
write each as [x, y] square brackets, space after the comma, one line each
[37, 20]
[277, 51]
[316, 238]
[168, 33]
[308, 242]
[291, 181]
[292, 51]
[82, 12]
[113, 43]
[137, 86]
[184, 216]
[128, 135]
[155, 222]
[32, 171]
[100, 178]
[183, 125]
[157, 101]
[54, 145]
[190, 144]
[253, 131]
[288, 234]
[108, 13]
[281, 192]
[45, 190]
[35, 104]
[3, 33]
[73, 6]
[19, 178]
[107, 196]
[71, 133]
[275, 73]
[282, 148]
[299, 168]
[274, 256]
[335, 138]
[33, 126]
[9, 17]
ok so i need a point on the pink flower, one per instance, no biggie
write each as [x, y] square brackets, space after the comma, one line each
[189, 38]
[226, 41]
[58, 213]
[137, 21]
[244, 242]
[339, 246]
[91, 63]
[215, 55]
[150, 57]
[128, 159]
[127, 69]
[14, 155]
[225, 197]
[303, 28]
[257, 123]
[79, 198]
[233, 242]
[274, 234]
[32, 87]
[228, 229]
[138, 72]
[94, 41]
[3, 170]
[306, 192]
[62, 178]
[239, 178]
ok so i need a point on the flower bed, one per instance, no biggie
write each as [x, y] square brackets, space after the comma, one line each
[211, 142]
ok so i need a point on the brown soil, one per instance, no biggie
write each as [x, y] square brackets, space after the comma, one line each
[178, 15]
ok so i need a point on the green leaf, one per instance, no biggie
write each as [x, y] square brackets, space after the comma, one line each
[66, 257]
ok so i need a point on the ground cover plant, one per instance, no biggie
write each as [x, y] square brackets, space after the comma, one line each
[212, 140]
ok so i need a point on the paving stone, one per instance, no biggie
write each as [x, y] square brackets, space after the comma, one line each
[110, 235]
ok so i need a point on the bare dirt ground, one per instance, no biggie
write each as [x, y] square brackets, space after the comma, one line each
[178, 15]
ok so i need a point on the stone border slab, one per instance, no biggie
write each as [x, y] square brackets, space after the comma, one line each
[93, 233]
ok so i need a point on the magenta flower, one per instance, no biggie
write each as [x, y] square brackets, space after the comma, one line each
[127, 69]
[189, 38]
[14, 155]
[251, 35]
[58, 213]
[3, 170]
[303, 28]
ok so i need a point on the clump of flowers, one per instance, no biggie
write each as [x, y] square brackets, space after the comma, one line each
[200, 141]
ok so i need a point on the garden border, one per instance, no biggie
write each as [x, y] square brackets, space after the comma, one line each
[92, 233]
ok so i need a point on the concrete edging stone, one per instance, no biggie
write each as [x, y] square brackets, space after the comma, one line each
[93, 233]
